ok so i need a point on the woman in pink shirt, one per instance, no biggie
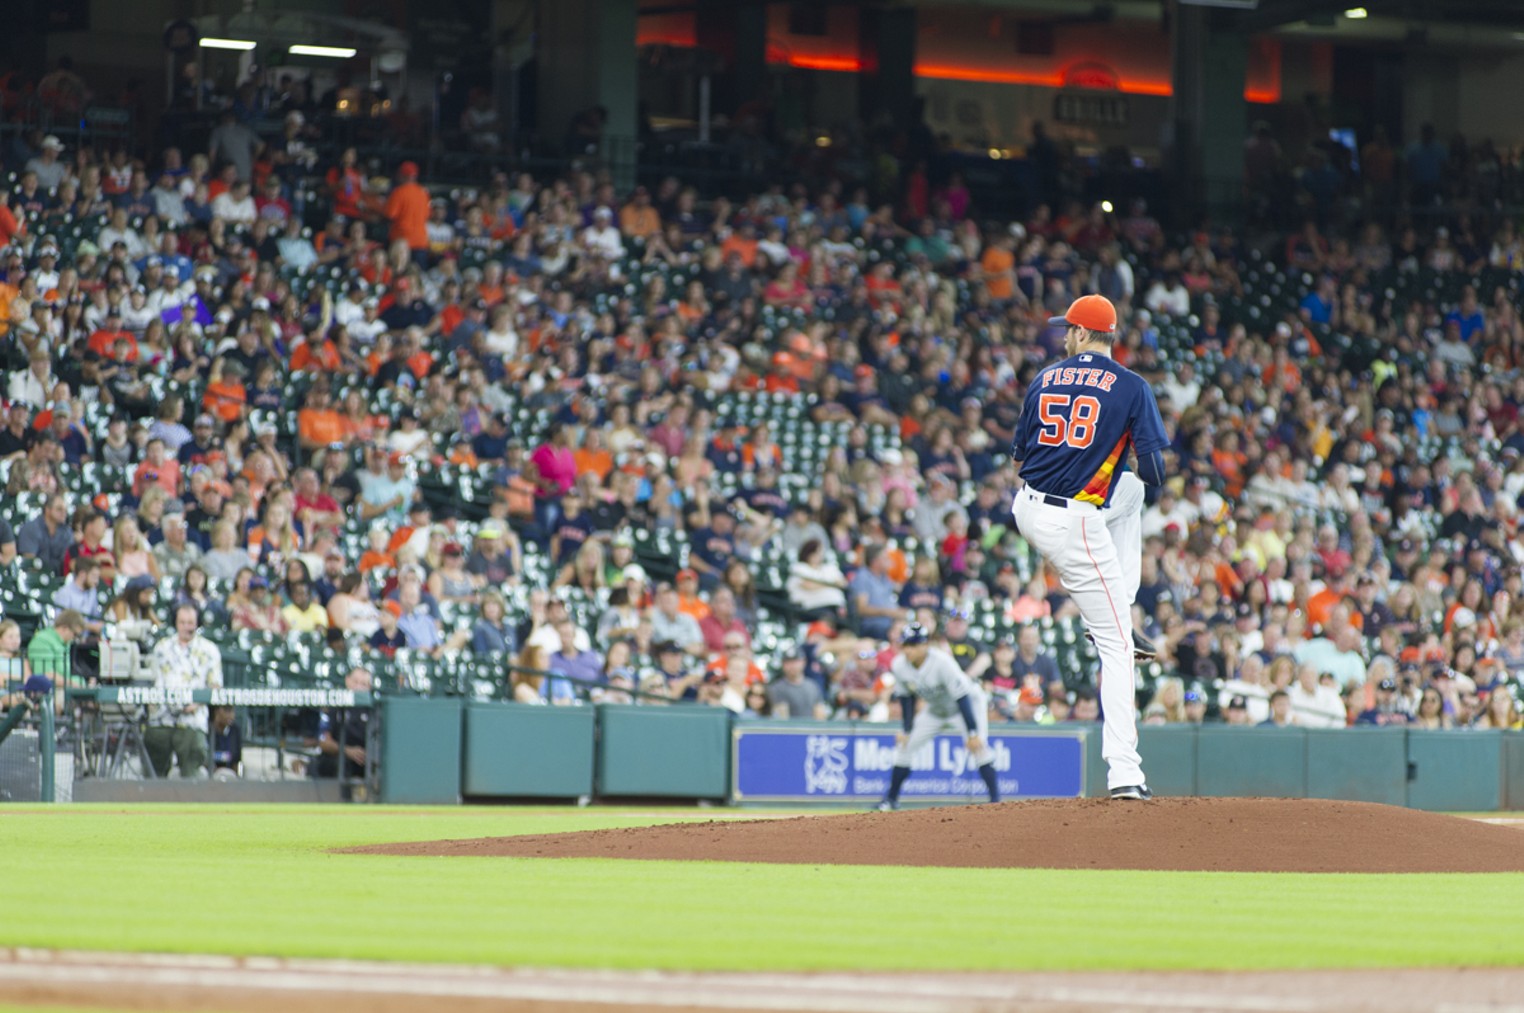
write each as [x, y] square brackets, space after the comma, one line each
[555, 473]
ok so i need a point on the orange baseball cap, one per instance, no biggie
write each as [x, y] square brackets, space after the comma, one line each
[1092, 312]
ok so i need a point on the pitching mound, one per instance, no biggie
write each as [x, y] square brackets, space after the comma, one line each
[1216, 835]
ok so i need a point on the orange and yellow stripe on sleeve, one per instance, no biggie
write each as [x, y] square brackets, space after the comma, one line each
[1100, 483]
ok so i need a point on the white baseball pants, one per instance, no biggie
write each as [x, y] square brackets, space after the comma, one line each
[928, 726]
[1124, 518]
[1075, 540]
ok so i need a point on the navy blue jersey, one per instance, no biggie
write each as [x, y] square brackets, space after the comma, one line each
[1079, 418]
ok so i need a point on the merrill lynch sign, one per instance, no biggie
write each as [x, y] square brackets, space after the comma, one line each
[776, 763]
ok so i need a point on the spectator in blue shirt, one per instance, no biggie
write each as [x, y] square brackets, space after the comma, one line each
[1032, 659]
[1388, 709]
[1319, 303]
[491, 444]
[585, 665]
[1467, 316]
[47, 536]
[874, 596]
[417, 622]
[491, 634]
[387, 495]
[79, 592]
[711, 544]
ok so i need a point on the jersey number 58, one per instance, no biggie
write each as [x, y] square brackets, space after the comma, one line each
[1067, 421]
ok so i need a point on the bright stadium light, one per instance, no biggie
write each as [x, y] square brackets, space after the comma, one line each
[1357, 13]
[340, 52]
[242, 44]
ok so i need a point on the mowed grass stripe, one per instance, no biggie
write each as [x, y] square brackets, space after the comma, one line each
[261, 881]
[12, 1008]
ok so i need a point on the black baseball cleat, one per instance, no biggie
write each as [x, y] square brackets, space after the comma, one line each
[1138, 792]
[1143, 649]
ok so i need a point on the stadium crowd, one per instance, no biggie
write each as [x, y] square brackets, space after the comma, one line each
[236, 375]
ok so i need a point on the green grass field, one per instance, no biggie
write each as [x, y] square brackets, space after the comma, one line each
[259, 880]
[7, 1008]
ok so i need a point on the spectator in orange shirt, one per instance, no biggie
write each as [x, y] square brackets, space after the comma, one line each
[420, 361]
[999, 267]
[688, 599]
[316, 353]
[222, 183]
[883, 287]
[346, 184]
[407, 208]
[490, 289]
[318, 426]
[379, 355]
[593, 456]
[734, 662]
[501, 225]
[1321, 605]
[638, 219]
[102, 340]
[376, 553]
[1230, 462]
[225, 394]
[10, 227]
[8, 294]
[157, 469]
[743, 243]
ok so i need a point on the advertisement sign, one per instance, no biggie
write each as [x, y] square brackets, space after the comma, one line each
[851, 765]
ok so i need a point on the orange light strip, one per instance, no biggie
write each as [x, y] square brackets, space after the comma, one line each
[956, 72]
[804, 62]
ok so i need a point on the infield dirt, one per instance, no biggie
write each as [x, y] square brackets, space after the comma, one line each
[1197, 834]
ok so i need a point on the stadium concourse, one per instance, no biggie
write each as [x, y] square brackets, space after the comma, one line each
[720, 451]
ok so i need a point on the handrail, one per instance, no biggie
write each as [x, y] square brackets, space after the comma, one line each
[592, 684]
[253, 696]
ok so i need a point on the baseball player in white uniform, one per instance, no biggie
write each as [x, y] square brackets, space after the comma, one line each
[1080, 419]
[953, 702]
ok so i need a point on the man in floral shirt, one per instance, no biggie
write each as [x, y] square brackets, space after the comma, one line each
[186, 661]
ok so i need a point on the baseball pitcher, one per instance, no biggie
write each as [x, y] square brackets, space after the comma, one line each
[935, 677]
[1080, 418]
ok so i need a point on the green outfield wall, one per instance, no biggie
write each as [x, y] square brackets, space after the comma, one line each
[447, 750]
[521, 751]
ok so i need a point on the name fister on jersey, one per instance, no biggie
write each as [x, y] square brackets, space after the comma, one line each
[1070, 377]
[1080, 418]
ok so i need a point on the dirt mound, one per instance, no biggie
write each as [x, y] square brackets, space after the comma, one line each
[1206, 834]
